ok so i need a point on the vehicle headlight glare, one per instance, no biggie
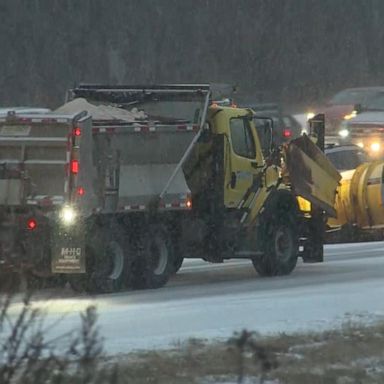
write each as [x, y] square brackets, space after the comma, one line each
[310, 115]
[343, 133]
[68, 215]
[350, 115]
[375, 147]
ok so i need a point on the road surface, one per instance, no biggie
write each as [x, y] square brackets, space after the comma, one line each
[214, 300]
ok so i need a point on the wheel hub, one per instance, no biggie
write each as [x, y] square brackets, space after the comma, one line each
[159, 256]
[283, 243]
[115, 257]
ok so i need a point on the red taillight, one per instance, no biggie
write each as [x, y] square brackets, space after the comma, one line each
[76, 131]
[287, 133]
[80, 191]
[75, 166]
[31, 224]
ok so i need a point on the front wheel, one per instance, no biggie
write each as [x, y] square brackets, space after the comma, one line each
[280, 250]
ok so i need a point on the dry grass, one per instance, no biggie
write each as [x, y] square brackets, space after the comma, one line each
[352, 355]
[27, 357]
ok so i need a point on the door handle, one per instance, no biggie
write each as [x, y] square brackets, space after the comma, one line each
[255, 165]
[233, 180]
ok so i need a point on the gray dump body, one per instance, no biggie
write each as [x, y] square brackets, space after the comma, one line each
[34, 158]
[143, 159]
[141, 138]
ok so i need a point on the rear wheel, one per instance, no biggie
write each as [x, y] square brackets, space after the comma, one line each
[155, 260]
[108, 261]
[280, 246]
[177, 263]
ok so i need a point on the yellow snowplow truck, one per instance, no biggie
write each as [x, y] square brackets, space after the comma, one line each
[175, 176]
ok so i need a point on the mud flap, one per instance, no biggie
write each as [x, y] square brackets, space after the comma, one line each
[311, 174]
[68, 250]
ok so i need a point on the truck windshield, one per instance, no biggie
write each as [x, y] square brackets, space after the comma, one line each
[376, 103]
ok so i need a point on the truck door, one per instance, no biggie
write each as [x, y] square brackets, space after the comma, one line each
[244, 160]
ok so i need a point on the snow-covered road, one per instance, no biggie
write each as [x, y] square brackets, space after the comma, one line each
[213, 300]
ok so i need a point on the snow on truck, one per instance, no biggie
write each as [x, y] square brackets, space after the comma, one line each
[160, 174]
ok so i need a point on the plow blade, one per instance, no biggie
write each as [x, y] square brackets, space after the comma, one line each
[311, 174]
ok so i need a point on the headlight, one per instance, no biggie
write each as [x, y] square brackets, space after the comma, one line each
[350, 116]
[360, 144]
[344, 133]
[375, 147]
[310, 115]
[68, 215]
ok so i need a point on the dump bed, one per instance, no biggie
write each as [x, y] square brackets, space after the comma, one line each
[34, 158]
[145, 158]
[141, 138]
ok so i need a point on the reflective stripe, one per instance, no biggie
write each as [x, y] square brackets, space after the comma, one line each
[162, 205]
[45, 200]
[144, 128]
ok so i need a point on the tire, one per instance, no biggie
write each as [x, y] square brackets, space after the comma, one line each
[280, 246]
[177, 263]
[155, 259]
[107, 263]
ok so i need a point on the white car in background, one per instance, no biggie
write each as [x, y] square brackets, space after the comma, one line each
[346, 157]
[366, 129]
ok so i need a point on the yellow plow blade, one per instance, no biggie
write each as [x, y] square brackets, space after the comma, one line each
[311, 174]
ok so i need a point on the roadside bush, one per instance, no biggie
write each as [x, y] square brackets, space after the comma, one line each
[27, 357]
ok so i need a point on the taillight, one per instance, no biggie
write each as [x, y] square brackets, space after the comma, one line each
[75, 167]
[80, 191]
[287, 133]
[76, 131]
[31, 224]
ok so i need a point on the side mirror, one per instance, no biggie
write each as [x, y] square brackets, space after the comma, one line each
[358, 108]
[317, 129]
